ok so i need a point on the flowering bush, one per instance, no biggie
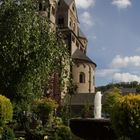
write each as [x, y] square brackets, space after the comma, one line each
[126, 117]
[6, 110]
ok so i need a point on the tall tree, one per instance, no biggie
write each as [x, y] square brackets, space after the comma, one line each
[29, 52]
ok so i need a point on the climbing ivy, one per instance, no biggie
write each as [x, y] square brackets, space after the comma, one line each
[29, 51]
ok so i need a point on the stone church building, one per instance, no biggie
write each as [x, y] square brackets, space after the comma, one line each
[64, 18]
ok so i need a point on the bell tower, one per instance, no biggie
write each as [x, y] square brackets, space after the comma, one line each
[48, 8]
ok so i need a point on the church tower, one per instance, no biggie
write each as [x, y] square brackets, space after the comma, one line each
[63, 18]
[83, 69]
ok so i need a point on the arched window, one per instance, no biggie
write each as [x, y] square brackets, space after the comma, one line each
[53, 10]
[73, 7]
[60, 21]
[93, 80]
[82, 77]
[43, 5]
[74, 27]
[40, 6]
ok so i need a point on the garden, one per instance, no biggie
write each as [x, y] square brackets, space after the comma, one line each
[29, 55]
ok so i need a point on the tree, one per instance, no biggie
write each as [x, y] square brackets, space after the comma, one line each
[29, 52]
[111, 97]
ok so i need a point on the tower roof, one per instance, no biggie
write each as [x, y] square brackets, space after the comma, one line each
[79, 55]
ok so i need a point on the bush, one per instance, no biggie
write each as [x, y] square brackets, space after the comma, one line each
[111, 97]
[123, 138]
[43, 108]
[35, 134]
[126, 117]
[6, 110]
[8, 134]
[20, 138]
[87, 111]
[62, 133]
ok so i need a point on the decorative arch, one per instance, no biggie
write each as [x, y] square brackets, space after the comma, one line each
[82, 77]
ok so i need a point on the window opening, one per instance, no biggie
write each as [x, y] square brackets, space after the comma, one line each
[82, 77]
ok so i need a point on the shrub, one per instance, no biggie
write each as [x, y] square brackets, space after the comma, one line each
[111, 97]
[6, 110]
[123, 138]
[35, 134]
[20, 138]
[43, 108]
[62, 133]
[8, 134]
[87, 111]
[126, 117]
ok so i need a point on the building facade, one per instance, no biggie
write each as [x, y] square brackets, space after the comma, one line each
[64, 19]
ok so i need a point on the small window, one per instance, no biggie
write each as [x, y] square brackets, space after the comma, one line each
[73, 7]
[73, 38]
[74, 27]
[40, 6]
[77, 44]
[70, 23]
[53, 10]
[61, 21]
[81, 49]
[82, 77]
[93, 80]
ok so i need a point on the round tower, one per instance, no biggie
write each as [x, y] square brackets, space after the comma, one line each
[83, 72]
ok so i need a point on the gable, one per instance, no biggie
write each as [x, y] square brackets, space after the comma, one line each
[72, 6]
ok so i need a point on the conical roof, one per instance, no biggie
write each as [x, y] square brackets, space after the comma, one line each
[79, 55]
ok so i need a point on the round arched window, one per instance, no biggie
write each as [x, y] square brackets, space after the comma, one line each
[82, 77]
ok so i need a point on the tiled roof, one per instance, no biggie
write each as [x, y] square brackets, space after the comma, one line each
[81, 56]
[126, 91]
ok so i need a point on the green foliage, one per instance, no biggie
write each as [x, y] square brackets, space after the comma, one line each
[6, 110]
[64, 113]
[87, 111]
[111, 97]
[37, 134]
[44, 108]
[72, 88]
[126, 117]
[20, 138]
[58, 121]
[62, 133]
[8, 134]
[123, 138]
[29, 52]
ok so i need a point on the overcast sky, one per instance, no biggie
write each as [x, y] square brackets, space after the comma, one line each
[113, 31]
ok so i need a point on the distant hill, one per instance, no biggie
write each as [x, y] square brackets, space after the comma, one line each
[133, 84]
